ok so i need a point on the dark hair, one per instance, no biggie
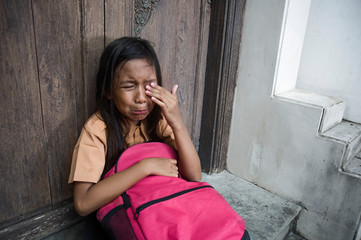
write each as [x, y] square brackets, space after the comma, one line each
[115, 55]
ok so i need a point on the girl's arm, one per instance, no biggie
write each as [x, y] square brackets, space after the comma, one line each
[89, 197]
[188, 162]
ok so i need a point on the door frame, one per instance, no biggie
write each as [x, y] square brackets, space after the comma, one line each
[221, 74]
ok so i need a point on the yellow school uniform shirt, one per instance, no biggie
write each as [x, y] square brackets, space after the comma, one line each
[89, 153]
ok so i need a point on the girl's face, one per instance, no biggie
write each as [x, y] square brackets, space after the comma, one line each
[129, 93]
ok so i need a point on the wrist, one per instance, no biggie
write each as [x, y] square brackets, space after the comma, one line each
[145, 167]
[178, 127]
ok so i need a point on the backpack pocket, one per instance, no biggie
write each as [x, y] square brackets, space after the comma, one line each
[174, 214]
[117, 225]
[142, 207]
[195, 212]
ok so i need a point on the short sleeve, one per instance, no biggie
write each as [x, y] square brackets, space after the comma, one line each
[89, 153]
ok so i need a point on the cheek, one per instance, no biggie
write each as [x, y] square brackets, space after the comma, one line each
[150, 103]
[122, 100]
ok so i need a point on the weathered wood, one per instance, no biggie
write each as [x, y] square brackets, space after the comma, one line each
[24, 181]
[234, 23]
[93, 45]
[118, 19]
[200, 72]
[176, 29]
[57, 31]
[48, 67]
[42, 225]
[222, 61]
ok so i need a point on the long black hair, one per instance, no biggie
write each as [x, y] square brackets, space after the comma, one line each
[113, 58]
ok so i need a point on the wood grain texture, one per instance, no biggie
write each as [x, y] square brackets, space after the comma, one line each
[222, 61]
[42, 225]
[234, 18]
[178, 29]
[24, 181]
[202, 51]
[49, 58]
[118, 19]
[93, 45]
[57, 30]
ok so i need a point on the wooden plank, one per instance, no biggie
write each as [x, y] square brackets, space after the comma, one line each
[43, 225]
[57, 30]
[93, 45]
[174, 27]
[24, 182]
[205, 10]
[186, 51]
[118, 19]
[161, 31]
[234, 23]
[222, 63]
[214, 61]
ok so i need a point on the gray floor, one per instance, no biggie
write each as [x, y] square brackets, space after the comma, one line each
[267, 216]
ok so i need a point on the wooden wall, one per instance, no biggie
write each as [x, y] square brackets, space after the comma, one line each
[49, 51]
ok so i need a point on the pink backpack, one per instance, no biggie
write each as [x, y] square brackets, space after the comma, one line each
[159, 207]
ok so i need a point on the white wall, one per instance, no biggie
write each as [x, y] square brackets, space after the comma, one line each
[291, 44]
[274, 144]
[331, 57]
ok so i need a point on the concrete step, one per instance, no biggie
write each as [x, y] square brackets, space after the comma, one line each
[267, 216]
[332, 108]
[332, 126]
[293, 236]
[349, 134]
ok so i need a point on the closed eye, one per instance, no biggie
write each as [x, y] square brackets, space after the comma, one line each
[127, 86]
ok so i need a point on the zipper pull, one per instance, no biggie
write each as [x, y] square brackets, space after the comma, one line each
[126, 200]
[137, 211]
[136, 214]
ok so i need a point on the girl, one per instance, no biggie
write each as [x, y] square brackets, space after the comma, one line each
[132, 108]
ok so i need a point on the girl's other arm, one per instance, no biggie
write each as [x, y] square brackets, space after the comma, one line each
[89, 197]
[189, 163]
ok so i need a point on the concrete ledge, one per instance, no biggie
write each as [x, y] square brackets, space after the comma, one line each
[332, 108]
[267, 216]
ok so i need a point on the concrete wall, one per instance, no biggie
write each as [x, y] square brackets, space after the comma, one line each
[331, 57]
[274, 144]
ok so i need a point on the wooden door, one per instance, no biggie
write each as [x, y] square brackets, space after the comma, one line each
[49, 53]
[179, 30]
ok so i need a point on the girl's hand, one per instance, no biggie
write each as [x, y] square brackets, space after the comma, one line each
[160, 167]
[168, 103]
[188, 159]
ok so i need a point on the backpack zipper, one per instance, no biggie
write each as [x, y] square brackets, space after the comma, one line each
[126, 201]
[150, 203]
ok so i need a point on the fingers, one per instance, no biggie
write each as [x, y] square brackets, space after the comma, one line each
[167, 101]
[173, 161]
[174, 168]
[162, 167]
[160, 94]
[174, 90]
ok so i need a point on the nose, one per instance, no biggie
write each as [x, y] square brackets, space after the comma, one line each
[140, 96]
